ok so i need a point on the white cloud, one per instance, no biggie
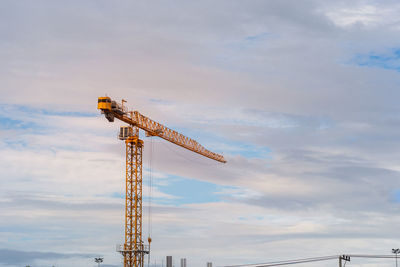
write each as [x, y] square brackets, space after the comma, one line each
[328, 130]
[364, 13]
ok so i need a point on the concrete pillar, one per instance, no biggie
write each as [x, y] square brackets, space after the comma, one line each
[169, 261]
[183, 262]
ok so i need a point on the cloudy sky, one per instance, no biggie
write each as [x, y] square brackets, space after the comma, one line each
[301, 97]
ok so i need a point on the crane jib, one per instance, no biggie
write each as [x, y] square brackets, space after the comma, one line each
[135, 119]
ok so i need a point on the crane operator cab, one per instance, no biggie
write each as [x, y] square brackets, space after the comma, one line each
[110, 107]
[104, 103]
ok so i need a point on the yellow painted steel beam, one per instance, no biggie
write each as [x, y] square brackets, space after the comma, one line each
[134, 249]
[154, 128]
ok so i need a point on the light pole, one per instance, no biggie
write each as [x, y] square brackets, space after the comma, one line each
[98, 260]
[346, 258]
[396, 251]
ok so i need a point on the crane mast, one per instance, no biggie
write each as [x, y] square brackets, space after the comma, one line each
[134, 249]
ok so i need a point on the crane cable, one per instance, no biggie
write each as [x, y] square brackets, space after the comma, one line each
[306, 260]
[175, 150]
[287, 262]
[150, 194]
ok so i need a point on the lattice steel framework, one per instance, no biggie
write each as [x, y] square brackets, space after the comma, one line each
[133, 248]
[153, 128]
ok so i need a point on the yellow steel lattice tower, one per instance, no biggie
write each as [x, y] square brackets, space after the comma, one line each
[134, 249]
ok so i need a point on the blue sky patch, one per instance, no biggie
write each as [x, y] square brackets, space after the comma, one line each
[397, 196]
[183, 191]
[31, 111]
[19, 121]
[220, 144]
[49, 112]
[247, 150]
[189, 191]
[249, 41]
[8, 123]
[118, 195]
[258, 37]
[390, 60]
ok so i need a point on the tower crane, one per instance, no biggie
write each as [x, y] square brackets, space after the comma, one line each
[134, 249]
